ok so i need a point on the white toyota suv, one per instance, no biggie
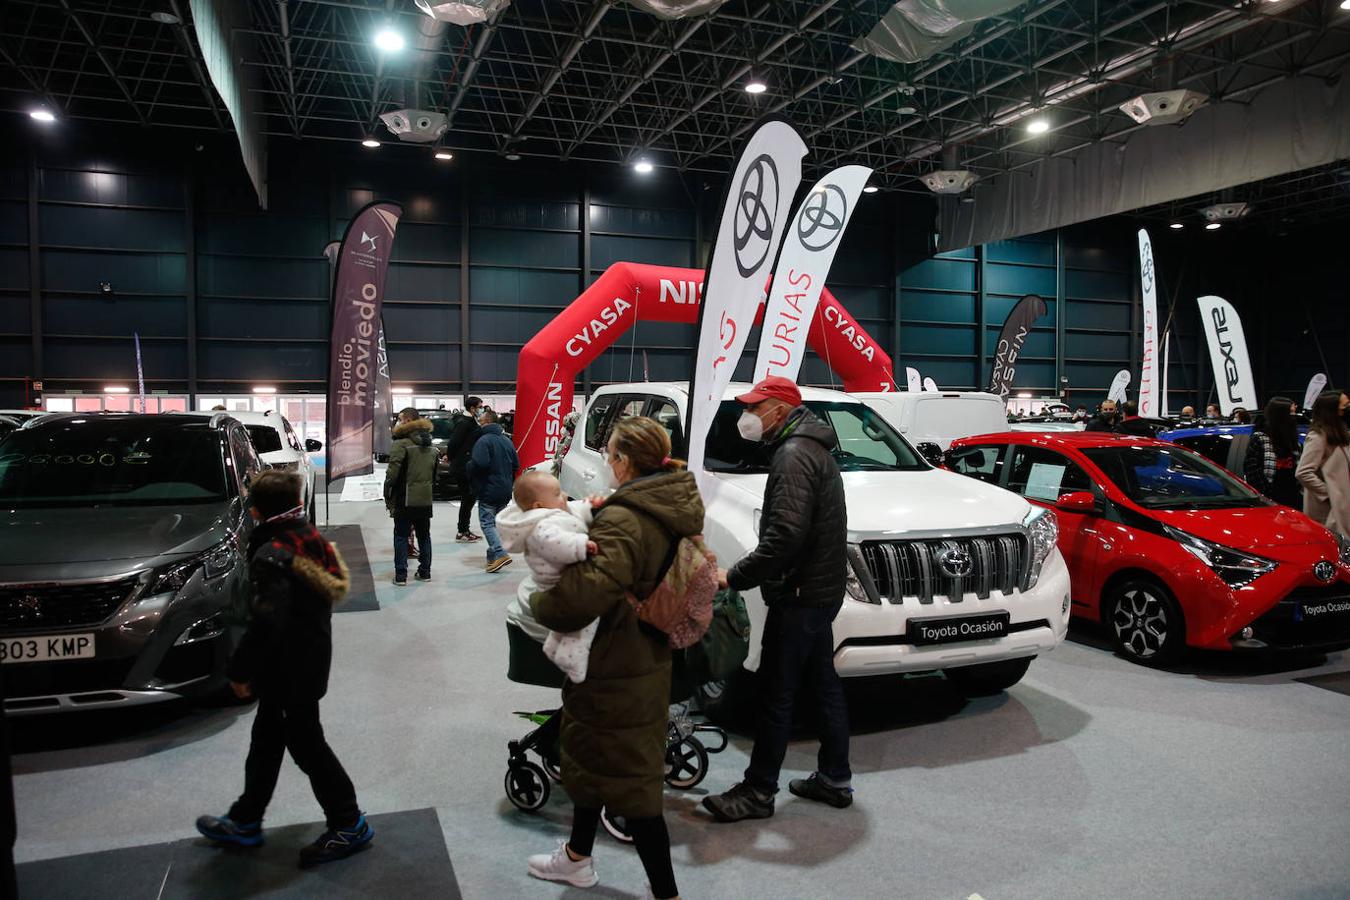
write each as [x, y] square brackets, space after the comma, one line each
[946, 572]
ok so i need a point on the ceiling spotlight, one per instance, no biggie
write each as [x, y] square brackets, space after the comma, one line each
[871, 189]
[1213, 226]
[755, 86]
[165, 18]
[444, 155]
[643, 167]
[389, 41]
[513, 157]
[907, 109]
[42, 115]
[370, 142]
[1176, 226]
[1038, 125]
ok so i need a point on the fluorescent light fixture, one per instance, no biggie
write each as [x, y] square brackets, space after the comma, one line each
[263, 389]
[116, 389]
[370, 142]
[389, 40]
[1213, 226]
[402, 390]
[42, 115]
[1038, 125]
[1024, 395]
[643, 167]
[871, 189]
[755, 86]
[907, 109]
[165, 18]
[445, 155]
[513, 157]
[1176, 226]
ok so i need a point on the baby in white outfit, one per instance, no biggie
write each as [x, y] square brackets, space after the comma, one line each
[552, 532]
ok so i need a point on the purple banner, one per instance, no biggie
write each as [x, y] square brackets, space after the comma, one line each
[353, 367]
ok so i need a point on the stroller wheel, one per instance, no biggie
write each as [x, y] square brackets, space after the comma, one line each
[686, 763]
[527, 787]
[617, 826]
[553, 768]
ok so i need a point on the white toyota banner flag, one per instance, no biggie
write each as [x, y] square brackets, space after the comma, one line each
[759, 196]
[808, 252]
[913, 381]
[1167, 347]
[1317, 385]
[1228, 354]
[929, 384]
[1118, 386]
[1148, 372]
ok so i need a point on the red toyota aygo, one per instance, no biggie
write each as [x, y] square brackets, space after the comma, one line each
[1168, 550]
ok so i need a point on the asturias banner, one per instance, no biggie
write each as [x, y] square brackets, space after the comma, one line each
[1316, 385]
[759, 196]
[1010, 341]
[808, 252]
[1228, 354]
[1118, 386]
[353, 367]
[913, 380]
[1149, 406]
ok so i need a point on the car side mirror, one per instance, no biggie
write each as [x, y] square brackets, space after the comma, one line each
[1077, 502]
[313, 446]
[930, 452]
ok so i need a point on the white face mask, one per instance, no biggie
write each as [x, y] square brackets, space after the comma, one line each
[750, 426]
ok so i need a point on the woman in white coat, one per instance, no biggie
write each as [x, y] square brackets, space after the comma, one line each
[1324, 468]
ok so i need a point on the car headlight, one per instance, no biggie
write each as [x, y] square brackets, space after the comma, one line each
[214, 563]
[1236, 568]
[1042, 527]
[1344, 543]
[857, 571]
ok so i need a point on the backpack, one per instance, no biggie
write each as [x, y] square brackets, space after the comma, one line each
[681, 604]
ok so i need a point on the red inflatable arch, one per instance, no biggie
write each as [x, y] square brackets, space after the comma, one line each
[628, 293]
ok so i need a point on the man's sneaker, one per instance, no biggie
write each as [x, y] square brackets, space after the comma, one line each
[467, 537]
[228, 831]
[814, 789]
[337, 843]
[499, 563]
[741, 802]
[401, 582]
[558, 866]
[420, 577]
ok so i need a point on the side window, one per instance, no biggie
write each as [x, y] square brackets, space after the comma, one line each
[668, 415]
[1040, 474]
[245, 460]
[596, 420]
[984, 463]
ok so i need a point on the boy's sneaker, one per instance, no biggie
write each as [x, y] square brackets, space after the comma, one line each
[228, 831]
[740, 802]
[420, 577]
[558, 866]
[337, 843]
[401, 582]
[499, 563]
[814, 789]
[467, 537]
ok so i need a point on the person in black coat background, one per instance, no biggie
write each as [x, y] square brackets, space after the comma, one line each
[463, 435]
[800, 566]
[1105, 419]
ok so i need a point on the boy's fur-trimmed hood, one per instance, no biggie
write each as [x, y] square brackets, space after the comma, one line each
[332, 588]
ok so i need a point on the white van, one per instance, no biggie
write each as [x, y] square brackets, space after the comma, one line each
[939, 417]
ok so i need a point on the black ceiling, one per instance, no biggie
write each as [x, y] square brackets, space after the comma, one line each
[600, 80]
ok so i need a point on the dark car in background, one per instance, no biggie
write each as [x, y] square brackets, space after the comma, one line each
[1224, 444]
[123, 570]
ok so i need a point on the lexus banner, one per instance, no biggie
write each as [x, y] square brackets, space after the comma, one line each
[808, 251]
[1118, 386]
[1149, 406]
[759, 195]
[1010, 341]
[1228, 354]
[353, 367]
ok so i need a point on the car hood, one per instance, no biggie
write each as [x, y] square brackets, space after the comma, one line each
[1261, 529]
[44, 537]
[882, 504]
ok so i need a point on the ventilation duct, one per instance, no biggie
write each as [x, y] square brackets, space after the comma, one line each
[677, 9]
[462, 12]
[914, 30]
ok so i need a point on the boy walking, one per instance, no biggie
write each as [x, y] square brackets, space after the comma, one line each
[283, 659]
[492, 469]
[408, 492]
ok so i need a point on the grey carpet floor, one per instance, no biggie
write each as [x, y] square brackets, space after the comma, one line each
[352, 545]
[1092, 778]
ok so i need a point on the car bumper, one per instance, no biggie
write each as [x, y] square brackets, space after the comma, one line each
[1307, 619]
[873, 639]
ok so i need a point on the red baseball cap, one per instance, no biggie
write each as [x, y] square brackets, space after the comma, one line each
[774, 387]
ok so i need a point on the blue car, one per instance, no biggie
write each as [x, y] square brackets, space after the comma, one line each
[1223, 444]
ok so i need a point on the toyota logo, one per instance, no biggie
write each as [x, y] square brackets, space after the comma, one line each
[823, 213]
[1324, 571]
[756, 213]
[1146, 272]
[956, 562]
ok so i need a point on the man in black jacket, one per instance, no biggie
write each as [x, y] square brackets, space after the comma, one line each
[1105, 419]
[1131, 423]
[800, 567]
[457, 449]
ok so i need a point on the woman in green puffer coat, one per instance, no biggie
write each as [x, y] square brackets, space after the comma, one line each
[614, 722]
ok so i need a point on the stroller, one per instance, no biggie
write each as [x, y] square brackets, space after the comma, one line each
[529, 784]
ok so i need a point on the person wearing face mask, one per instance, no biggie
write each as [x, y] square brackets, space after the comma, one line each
[1105, 420]
[800, 566]
[463, 434]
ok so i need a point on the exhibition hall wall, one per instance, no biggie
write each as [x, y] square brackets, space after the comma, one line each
[226, 297]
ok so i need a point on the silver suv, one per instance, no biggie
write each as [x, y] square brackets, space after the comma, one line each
[123, 569]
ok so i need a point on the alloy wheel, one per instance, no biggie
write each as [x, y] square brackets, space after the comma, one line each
[1140, 622]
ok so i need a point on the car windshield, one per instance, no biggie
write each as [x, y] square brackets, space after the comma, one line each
[266, 439]
[441, 428]
[863, 441]
[115, 461]
[1171, 478]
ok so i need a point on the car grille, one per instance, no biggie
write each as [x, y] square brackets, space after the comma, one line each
[62, 605]
[913, 569]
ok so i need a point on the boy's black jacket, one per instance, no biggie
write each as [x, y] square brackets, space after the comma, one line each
[296, 577]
